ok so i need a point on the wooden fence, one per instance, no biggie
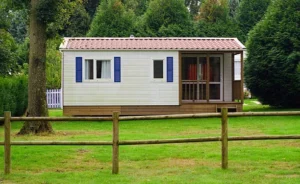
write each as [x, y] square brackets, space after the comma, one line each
[54, 98]
[115, 143]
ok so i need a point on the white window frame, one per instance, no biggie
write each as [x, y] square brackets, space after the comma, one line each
[152, 70]
[95, 79]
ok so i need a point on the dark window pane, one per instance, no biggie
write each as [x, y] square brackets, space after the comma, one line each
[158, 69]
[91, 69]
[99, 68]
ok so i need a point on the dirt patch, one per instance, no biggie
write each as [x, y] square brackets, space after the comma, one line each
[289, 143]
[233, 131]
[181, 162]
[282, 176]
[58, 135]
[199, 132]
[244, 131]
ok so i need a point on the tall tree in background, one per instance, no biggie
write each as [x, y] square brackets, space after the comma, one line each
[19, 24]
[214, 20]
[112, 20]
[193, 6]
[249, 13]
[274, 55]
[91, 6]
[166, 18]
[137, 6]
[78, 23]
[233, 7]
[213, 10]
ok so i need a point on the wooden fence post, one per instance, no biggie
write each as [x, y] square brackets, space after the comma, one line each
[115, 157]
[224, 137]
[7, 161]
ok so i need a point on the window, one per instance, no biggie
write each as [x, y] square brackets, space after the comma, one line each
[103, 69]
[89, 69]
[97, 69]
[158, 69]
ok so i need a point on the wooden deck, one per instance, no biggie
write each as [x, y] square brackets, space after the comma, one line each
[149, 110]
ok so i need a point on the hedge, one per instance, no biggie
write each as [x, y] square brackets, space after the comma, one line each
[13, 95]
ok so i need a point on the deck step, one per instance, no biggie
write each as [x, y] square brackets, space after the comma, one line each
[230, 109]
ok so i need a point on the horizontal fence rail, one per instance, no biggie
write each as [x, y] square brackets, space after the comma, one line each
[115, 143]
[176, 116]
[156, 141]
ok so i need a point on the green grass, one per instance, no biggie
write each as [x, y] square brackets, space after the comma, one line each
[253, 105]
[249, 161]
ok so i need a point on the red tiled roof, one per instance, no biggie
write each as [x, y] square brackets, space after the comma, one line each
[142, 43]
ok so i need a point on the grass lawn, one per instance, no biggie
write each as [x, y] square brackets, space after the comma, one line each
[249, 161]
[254, 106]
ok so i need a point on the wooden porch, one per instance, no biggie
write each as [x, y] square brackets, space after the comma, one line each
[209, 78]
[150, 110]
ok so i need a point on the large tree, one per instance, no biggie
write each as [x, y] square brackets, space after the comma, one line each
[37, 104]
[250, 12]
[274, 55]
[46, 17]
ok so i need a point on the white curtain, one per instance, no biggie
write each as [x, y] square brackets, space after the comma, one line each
[105, 70]
[88, 69]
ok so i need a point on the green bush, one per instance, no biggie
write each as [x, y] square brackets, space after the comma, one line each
[13, 95]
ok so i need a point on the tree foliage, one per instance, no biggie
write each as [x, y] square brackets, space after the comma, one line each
[213, 10]
[13, 95]
[139, 7]
[78, 24]
[53, 58]
[273, 56]
[215, 21]
[250, 12]
[166, 18]
[19, 24]
[112, 20]
[233, 7]
[220, 28]
[91, 6]
[193, 6]
[7, 53]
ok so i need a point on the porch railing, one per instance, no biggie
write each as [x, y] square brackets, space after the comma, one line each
[193, 90]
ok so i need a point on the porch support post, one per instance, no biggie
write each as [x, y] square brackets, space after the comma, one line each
[207, 78]
[180, 77]
[232, 75]
[242, 78]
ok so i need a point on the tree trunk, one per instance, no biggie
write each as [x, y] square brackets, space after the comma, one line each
[37, 104]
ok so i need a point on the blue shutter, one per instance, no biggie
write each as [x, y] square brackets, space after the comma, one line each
[169, 69]
[117, 69]
[78, 69]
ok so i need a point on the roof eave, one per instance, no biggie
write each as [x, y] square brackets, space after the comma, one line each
[181, 50]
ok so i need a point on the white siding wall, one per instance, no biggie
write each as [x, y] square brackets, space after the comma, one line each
[137, 86]
[227, 77]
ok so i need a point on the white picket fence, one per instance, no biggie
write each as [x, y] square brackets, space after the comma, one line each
[54, 98]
